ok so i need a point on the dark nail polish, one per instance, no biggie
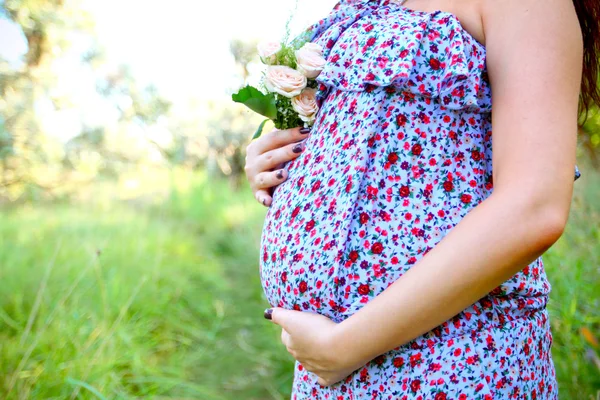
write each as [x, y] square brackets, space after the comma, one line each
[304, 131]
[268, 313]
[279, 174]
[298, 148]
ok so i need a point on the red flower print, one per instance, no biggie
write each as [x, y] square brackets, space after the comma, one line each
[448, 186]
[364, 290]
[302, 286]
[415, 360]
[380, 359]
[404, 53]
[364, 218]
[440, 396]
[310, 225]
[377, 248]
[401, 119]
[415, 385]
[295, 212]
[353, 256]
[284, 276]
[393, 157]
[333, 127]
[466, 198]
[434, 63]
[398, 362]
[416, 149]
[371, 41]
[459, 92]
[404, 191]
[316, 186]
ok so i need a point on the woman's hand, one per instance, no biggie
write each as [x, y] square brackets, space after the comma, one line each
[265, 157]
[311, 339]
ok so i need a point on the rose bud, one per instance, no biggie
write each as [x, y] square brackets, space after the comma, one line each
[267, 51]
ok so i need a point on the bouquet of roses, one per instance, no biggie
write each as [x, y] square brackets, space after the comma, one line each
[289, 88]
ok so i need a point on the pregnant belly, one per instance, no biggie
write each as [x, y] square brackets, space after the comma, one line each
[318, 252]
[300, 249]
[306, 229]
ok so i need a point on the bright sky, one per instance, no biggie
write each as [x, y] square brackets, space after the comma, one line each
[183, 48]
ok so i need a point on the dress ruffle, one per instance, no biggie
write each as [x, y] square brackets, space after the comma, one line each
[371, 44]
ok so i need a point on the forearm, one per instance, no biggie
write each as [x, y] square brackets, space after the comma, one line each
[491, 243]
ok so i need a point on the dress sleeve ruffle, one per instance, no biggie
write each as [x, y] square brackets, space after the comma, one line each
[426, 53]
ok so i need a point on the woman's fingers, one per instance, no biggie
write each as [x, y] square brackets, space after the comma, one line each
[322, 382]
[269, 179]
[263, 197]
[272, 158]
[266, 158]
[285, 338]
[264, 182]
[276, 139]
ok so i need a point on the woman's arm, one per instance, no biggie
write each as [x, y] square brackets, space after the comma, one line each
[534, 61]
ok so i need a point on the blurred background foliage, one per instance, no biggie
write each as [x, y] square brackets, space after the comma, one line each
[129, 237]
[36, 160]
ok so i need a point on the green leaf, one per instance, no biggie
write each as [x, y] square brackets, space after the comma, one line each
[87, 386]
[254, 99]
[260, 129]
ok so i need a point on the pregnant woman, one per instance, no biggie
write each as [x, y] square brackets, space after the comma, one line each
[398, 263]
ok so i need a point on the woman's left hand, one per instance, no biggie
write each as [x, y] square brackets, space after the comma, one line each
[310, 339]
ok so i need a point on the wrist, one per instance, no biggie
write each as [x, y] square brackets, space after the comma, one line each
[346, 347]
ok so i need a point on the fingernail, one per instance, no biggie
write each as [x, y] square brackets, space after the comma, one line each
[264, 201]
[268, 313]
[298, 148]
[304, 131]
[279, 174]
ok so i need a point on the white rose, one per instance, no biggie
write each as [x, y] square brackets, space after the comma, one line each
[267, 52]
[305, 104]
[284, 80]
[310, 60]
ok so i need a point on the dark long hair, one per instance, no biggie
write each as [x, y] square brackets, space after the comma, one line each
[588, 12]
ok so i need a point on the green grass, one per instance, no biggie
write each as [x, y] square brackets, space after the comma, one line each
[573, 266]
[119, 300]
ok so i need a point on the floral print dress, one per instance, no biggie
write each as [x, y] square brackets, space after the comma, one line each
[400, 152]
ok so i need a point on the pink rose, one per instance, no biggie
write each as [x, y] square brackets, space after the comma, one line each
[284, 80]
[310, 60]
[267, 51]
[305, 105]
